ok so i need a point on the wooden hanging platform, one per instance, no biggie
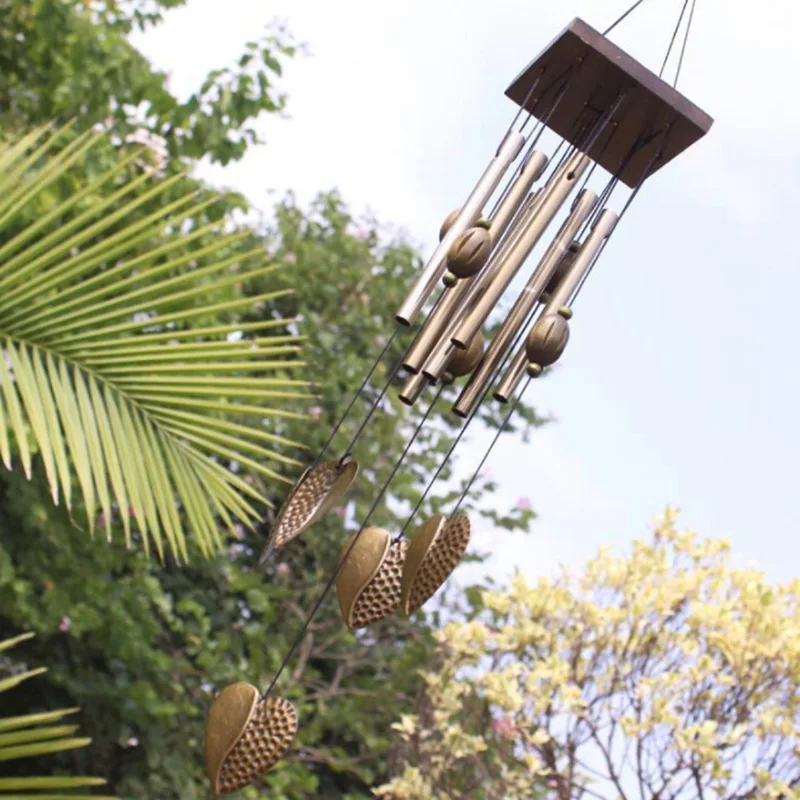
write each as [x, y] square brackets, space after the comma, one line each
[597, 71]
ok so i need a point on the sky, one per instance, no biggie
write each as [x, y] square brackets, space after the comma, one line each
[679, 385]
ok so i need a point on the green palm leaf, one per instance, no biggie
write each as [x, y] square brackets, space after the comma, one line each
[120, 373]
[34, 735]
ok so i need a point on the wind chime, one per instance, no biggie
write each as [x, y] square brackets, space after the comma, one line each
[609, 111]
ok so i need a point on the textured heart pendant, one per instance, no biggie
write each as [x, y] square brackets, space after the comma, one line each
[246, 736]
[368, 583]
[434, 553]
[317, 492]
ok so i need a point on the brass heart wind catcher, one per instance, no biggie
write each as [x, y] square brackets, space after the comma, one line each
[602, 109]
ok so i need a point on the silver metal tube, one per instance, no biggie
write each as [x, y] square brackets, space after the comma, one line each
[512, 376]
[433, 271]
[583, 261]
[509, 260]
[561, 297]
[517, 194]
[435, 325]
[529, 297]
[441, 352]
[414, 386]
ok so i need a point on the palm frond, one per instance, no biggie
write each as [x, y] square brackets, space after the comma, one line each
[34, 735]
[123, 371]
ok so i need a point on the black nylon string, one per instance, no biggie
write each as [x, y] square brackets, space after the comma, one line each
[321, 599]
[685, 42]
[621, 18]
[674, 37]
[491, 447]
[533, 139]
[356, 396]
[648, 171]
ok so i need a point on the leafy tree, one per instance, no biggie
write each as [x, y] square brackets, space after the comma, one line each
[667, 673]
[71, 58]
[142, 647]
[30, 735]
[209, 623]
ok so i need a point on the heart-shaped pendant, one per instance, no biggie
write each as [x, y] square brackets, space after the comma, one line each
[314, 495]
[433, 554]
[246, 736]
[368, 583]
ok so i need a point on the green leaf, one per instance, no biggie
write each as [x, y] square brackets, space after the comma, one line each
[94, 293]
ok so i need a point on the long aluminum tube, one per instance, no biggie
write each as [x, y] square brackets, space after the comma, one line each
[453, 297]
[584, 258]
[529, 297]
[433, 271]
[512, 376]
[549, 202]
[517, 193]
[414, 386]
[436, 361]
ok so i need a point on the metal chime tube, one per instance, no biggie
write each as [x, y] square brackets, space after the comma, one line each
[581, 209]
[434, 270]
[547, 205]
[517, 193]
[453, 297]
[436, 362]
[414, 386]
[560, 298]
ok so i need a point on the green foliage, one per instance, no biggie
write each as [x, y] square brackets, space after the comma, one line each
[148, 645]
[142, 647]
[64, 58]
[36, 735]
[101, 374]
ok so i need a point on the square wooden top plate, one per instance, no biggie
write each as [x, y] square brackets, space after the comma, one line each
[598, 71]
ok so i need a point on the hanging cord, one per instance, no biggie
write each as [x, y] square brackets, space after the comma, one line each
[538, 130]
[381, 395]
[645, 175]
[343, 559]
[674, 37]
[525, 103]
[372, 409]
[620, 19]
[460, 435]
[685, 42]
[355, 397]
[500, 430]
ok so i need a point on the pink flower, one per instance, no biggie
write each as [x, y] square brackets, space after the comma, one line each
[315, 412]
[504, 728]
[523, 503]
[553, 784]
[65, 624]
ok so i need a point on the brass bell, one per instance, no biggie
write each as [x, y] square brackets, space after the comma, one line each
[314, 495]
[448, 223]
[435, 551]
[463, 362]
[368, 583]
[246, 736]
[547, 340]
[468, 254]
